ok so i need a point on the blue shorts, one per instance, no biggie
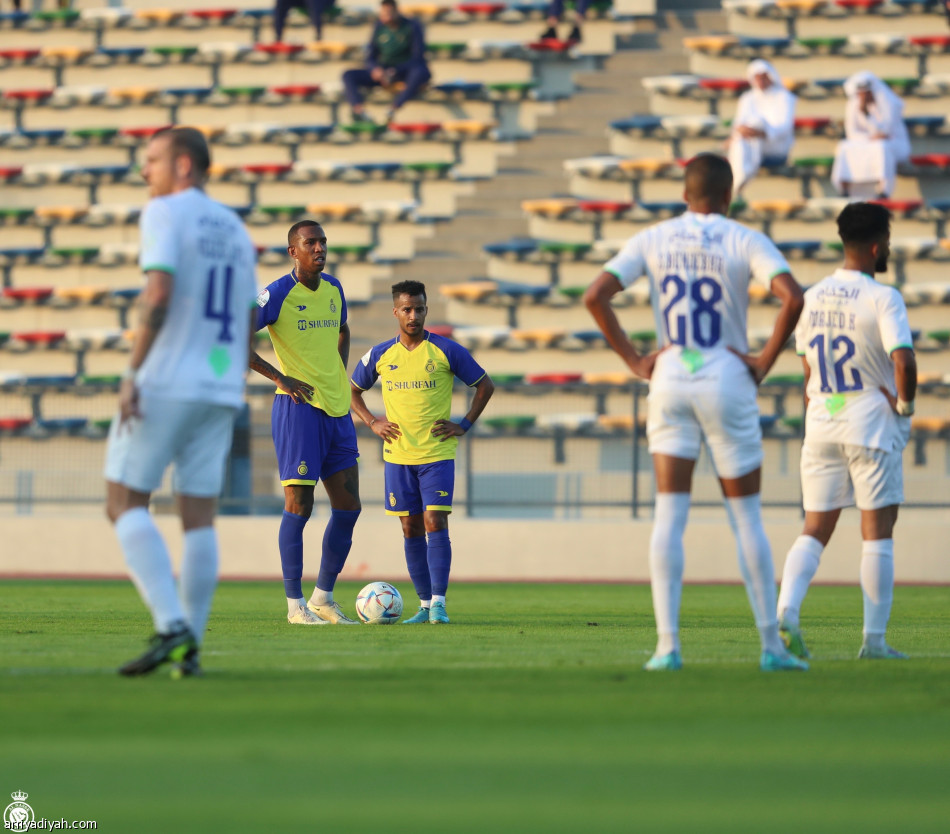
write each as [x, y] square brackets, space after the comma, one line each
[311, 445]
[412, 488]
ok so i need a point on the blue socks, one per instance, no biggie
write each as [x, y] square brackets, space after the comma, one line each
[337, 540]
[290, 543]
[440, 561]
[417, 560]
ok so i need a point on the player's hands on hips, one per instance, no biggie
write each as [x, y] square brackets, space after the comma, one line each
[643, 366]
[891, 399]
[386, 430]
[754, 364]
[445, 429]
[299, 390]
[128, 401]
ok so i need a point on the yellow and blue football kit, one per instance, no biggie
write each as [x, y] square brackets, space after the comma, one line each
[417, 391]
[317, 439]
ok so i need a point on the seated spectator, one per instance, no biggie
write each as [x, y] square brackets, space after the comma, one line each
[876, 139]
[764, 127]
[395, 53]
[314, 8]
[556, 11]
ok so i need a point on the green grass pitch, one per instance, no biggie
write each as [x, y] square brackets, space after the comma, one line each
[529, 713]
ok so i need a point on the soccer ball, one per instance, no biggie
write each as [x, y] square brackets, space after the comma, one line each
[379, 603]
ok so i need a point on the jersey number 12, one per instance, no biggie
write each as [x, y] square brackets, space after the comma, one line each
[841, 385]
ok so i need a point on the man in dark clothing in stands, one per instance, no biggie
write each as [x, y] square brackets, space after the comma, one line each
[314, 8]
[395, 53]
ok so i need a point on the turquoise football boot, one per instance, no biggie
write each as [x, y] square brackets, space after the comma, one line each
[771, 662]
[421, 616]
[437, 614]
[671, 662]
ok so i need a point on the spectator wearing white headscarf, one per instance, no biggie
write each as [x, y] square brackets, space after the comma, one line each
[764, 126]
[876, 139]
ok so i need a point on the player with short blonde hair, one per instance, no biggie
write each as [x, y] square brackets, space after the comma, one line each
[182, 390]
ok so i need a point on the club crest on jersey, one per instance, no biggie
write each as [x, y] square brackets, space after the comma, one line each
[302, 469]
[332, 306]
[430, 367]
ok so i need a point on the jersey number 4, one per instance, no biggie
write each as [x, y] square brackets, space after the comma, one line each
[218, 302]
[705, 319]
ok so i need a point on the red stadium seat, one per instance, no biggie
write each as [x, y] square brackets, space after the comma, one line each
[553, 379]
[40, 337]
[28, 95]
[19, 54]
[419, 128]
[603, 206]
[937, 160]
[276, 168]
[28, 293]
[141, 132]
[481, 8]
[296, 90]
[733, 84]
[279, 48]
[213, 14]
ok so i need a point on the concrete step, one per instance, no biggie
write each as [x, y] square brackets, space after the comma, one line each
[535, 168]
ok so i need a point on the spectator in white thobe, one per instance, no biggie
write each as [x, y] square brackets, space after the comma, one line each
[876, 139]
[764, 126]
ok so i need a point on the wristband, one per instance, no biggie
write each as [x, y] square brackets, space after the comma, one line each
[372, 422]
[465, 423]
[129, 373]
[905, 407]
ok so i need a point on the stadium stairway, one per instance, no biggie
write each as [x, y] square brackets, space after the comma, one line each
[535, 169]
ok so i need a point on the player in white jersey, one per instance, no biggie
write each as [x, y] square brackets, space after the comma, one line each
[181, 392]
[703, 385]
[860, 382]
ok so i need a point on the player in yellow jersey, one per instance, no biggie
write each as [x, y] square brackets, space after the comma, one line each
[417, 369]
[305, 314]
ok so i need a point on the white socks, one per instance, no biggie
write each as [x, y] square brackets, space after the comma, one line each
[199, 577]
[671, 510]
[435, 598]
[801, 563]
[294, 604]
[319, 597]
[150, 566]
[877, 584]
[755, 564]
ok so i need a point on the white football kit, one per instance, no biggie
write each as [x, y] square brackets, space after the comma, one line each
[853, 446]
[699, 267]
[192, 380]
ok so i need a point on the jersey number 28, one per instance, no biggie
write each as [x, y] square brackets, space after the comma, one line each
[705, 319]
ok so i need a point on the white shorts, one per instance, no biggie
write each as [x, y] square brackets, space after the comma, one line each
[719, 406]
[195, 436]
[836, 475]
